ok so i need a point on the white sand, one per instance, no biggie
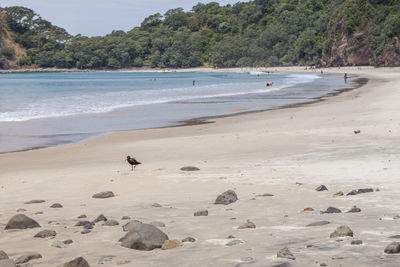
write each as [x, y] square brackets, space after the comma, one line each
[266, 152]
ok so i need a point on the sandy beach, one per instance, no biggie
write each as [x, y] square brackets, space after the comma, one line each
[286, 153]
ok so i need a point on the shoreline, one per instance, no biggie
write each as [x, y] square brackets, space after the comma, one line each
[358, 81]
[286, 153]
[198, 69]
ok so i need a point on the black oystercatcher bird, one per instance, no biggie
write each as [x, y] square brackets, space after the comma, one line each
[132, 161]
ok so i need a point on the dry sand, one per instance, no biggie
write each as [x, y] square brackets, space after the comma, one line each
[253, 154]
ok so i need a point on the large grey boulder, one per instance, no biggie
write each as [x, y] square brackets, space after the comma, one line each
[105, 194]
[78, 262]
[144, 237]
[343, 230]
[226, 198]
[21, 221]
[27, 257]
[7, 263]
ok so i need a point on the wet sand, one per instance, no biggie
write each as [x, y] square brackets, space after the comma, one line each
[287, 153]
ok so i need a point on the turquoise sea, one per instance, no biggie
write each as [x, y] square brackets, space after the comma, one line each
[47, 109]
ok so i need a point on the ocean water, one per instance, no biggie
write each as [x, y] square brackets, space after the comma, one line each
[47, 109]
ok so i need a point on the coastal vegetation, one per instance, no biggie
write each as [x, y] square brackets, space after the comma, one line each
[254, 33]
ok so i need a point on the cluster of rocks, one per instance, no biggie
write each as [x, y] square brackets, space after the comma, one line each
[147, 236]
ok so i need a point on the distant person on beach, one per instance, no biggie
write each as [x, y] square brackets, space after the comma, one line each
[345, 77]
[322, 72]
[194, 83]
[270, 84]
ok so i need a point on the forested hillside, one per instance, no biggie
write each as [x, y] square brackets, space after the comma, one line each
[255, 33]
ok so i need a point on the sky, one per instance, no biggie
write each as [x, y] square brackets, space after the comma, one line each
[100, 17]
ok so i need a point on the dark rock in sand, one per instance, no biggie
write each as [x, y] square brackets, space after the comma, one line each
[82, 223]
[158, 224]
[231, 237]
[56, 206]
[82, 216]
[265, 195]
[125, 218]
[188, 239]
[343, 230]
[36, 201]
[365, 190]
[356, 242]
[394, 236]
[105, 194]
[360, 191]
[393, 248]
[78, 262]
[331, 210]
[7, 263]
[285, 264]
[285, 253]
[352, 193]
[234, 243]
[156, 205]
[21, 221]
[144, 237]
[21, 210]
[189, 169]
[339, 194]
[46, 233]
[354, 209]
[247, 225]
[226, 198]
[68, 241]
[86, 231]
[111, 223]
[201, 213]
[318, 223]
[3, 255]
[27, 257]
[100, 218]
[89, 225]
[131, 225]
[321, 188]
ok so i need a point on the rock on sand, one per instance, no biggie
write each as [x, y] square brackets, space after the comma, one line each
[144, 237]
[189, 169]
[3, 255]
[46, 233]
[321, 188]
[27, 257]
[393, 248]
[285, 253]
[21, 221]
[105, 194]
[343, 230]
[247, 225]
[226, 198]
[78, 262]
[170, 244]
